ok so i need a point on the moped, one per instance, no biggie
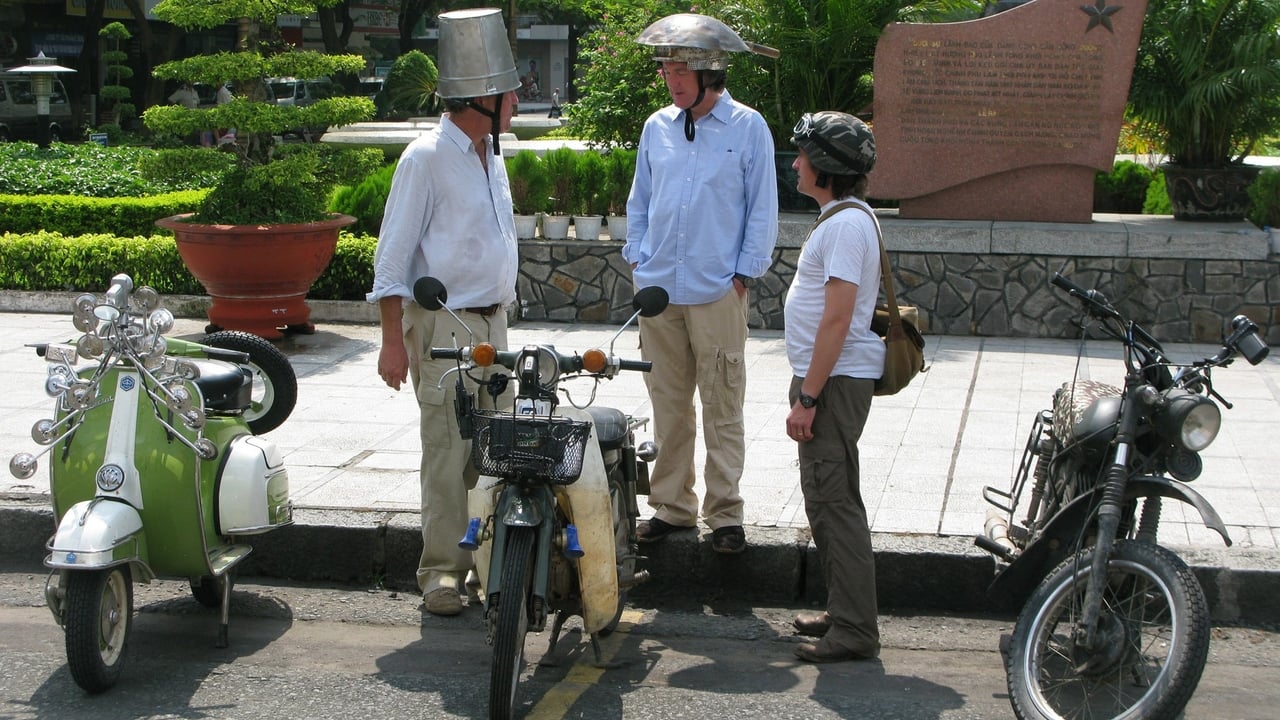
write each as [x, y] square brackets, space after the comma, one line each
[1117, 626]
[556, 532]
[155, 466]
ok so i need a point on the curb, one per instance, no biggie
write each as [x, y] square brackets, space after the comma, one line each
[913, 572]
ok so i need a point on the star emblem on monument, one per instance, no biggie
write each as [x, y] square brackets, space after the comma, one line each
[1100, 14]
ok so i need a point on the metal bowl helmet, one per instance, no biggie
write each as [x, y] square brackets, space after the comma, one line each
[701, 41]
[837, 143]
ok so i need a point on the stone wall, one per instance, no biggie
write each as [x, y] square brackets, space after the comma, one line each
[1181, 281]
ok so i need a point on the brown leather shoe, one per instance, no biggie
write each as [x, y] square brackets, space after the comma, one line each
[815, 624]
[822, 652]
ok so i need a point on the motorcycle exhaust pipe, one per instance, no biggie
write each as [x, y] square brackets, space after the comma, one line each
[995, 537]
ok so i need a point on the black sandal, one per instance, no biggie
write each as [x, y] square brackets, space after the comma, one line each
[653, 530]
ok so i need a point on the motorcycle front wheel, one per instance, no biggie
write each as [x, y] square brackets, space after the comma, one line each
[512, 624]
[1155, 624]
[97, 617]
[275, 384]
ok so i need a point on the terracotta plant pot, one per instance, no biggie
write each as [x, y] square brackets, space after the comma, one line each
[257, 275]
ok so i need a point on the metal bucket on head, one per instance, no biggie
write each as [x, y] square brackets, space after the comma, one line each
[475, 55]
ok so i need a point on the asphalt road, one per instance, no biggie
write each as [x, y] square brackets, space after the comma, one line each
[340, 652]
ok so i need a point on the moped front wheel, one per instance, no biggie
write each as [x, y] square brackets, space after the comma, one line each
[512, 624]
[1155, 630]
[97, 618]
[275, 384]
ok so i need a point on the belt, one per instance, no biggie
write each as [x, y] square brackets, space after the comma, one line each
[486, 311]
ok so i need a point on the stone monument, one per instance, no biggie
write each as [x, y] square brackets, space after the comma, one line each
[1007, 117]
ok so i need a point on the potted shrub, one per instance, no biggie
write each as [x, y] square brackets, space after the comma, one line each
[589, 198]
[1207, 85]
[561, 164]
[529, 187]
[620, 171]
[262, 235]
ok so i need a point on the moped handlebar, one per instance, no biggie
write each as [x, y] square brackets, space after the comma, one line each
[1095, 302]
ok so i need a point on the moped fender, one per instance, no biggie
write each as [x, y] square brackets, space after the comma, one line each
[522, 511]
[99, 533]
[1058, 541]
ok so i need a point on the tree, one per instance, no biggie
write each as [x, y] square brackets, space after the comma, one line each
[116, 94]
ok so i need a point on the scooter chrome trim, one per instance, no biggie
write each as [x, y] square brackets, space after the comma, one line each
[97, 534]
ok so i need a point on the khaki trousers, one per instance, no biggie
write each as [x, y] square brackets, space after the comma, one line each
[829, 479]
[697, 347]
[446, 472]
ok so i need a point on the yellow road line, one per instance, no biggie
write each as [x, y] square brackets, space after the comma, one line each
[556, 702]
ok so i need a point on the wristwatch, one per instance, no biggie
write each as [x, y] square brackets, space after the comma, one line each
[746, 281]
[807, 401]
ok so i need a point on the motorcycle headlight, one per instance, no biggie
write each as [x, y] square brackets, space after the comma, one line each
[1189, 421]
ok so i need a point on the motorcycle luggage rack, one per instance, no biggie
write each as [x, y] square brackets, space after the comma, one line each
[547, 447]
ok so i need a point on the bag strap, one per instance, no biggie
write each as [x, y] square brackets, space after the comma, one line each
[886, 276]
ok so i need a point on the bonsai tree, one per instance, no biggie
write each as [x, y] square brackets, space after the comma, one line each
[115, 92]
[268, 186]
[529, 182]
[590, 193]
[561, 165]
[1206, 83]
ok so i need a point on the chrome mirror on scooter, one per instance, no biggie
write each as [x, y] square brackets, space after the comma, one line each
[431, 294]
[648, 302]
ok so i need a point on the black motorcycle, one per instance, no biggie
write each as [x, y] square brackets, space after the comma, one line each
[1117, 626]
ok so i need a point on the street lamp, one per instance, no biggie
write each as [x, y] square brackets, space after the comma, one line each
[41, 70]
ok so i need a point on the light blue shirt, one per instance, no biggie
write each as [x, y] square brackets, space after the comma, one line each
[701, 211]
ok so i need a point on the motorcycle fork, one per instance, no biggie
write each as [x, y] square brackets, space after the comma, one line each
[523, 506]
[1110, 512]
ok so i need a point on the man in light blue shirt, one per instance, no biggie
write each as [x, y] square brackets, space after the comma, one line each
[702, 224]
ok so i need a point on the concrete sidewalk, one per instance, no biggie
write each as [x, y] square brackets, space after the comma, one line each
[352, 450]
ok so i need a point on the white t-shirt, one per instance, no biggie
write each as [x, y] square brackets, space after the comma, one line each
[845, 246]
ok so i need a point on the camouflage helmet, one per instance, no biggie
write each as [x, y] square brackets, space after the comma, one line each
[701, 41]
[837, 143]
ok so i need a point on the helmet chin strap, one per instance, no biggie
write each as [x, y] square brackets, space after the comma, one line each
[688, 112]
[494, 115]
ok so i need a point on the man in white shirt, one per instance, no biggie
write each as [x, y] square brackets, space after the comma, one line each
[835, 360]
[449, 216]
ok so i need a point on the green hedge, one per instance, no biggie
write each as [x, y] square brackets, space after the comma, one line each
[71, 215]
[50, 261]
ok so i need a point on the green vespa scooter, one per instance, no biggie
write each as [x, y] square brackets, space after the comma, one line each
[155, 466]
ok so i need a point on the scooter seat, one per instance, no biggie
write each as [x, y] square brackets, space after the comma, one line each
[611, 426]
[226, 387]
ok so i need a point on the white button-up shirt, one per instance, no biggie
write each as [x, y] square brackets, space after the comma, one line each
[445, 217]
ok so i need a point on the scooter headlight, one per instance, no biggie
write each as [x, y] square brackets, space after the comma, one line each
[160, 321]
[1189, 421]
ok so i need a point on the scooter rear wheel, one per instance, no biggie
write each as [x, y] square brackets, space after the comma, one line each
[275, 385]
[207, 590]
[97, 618]
[513, 623]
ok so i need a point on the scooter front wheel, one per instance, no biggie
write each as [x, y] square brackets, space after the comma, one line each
[97, 618]
[513, 622]
[275, 384]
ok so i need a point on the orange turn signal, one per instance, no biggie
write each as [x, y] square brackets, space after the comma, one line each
[594, 360]
[484, 354]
